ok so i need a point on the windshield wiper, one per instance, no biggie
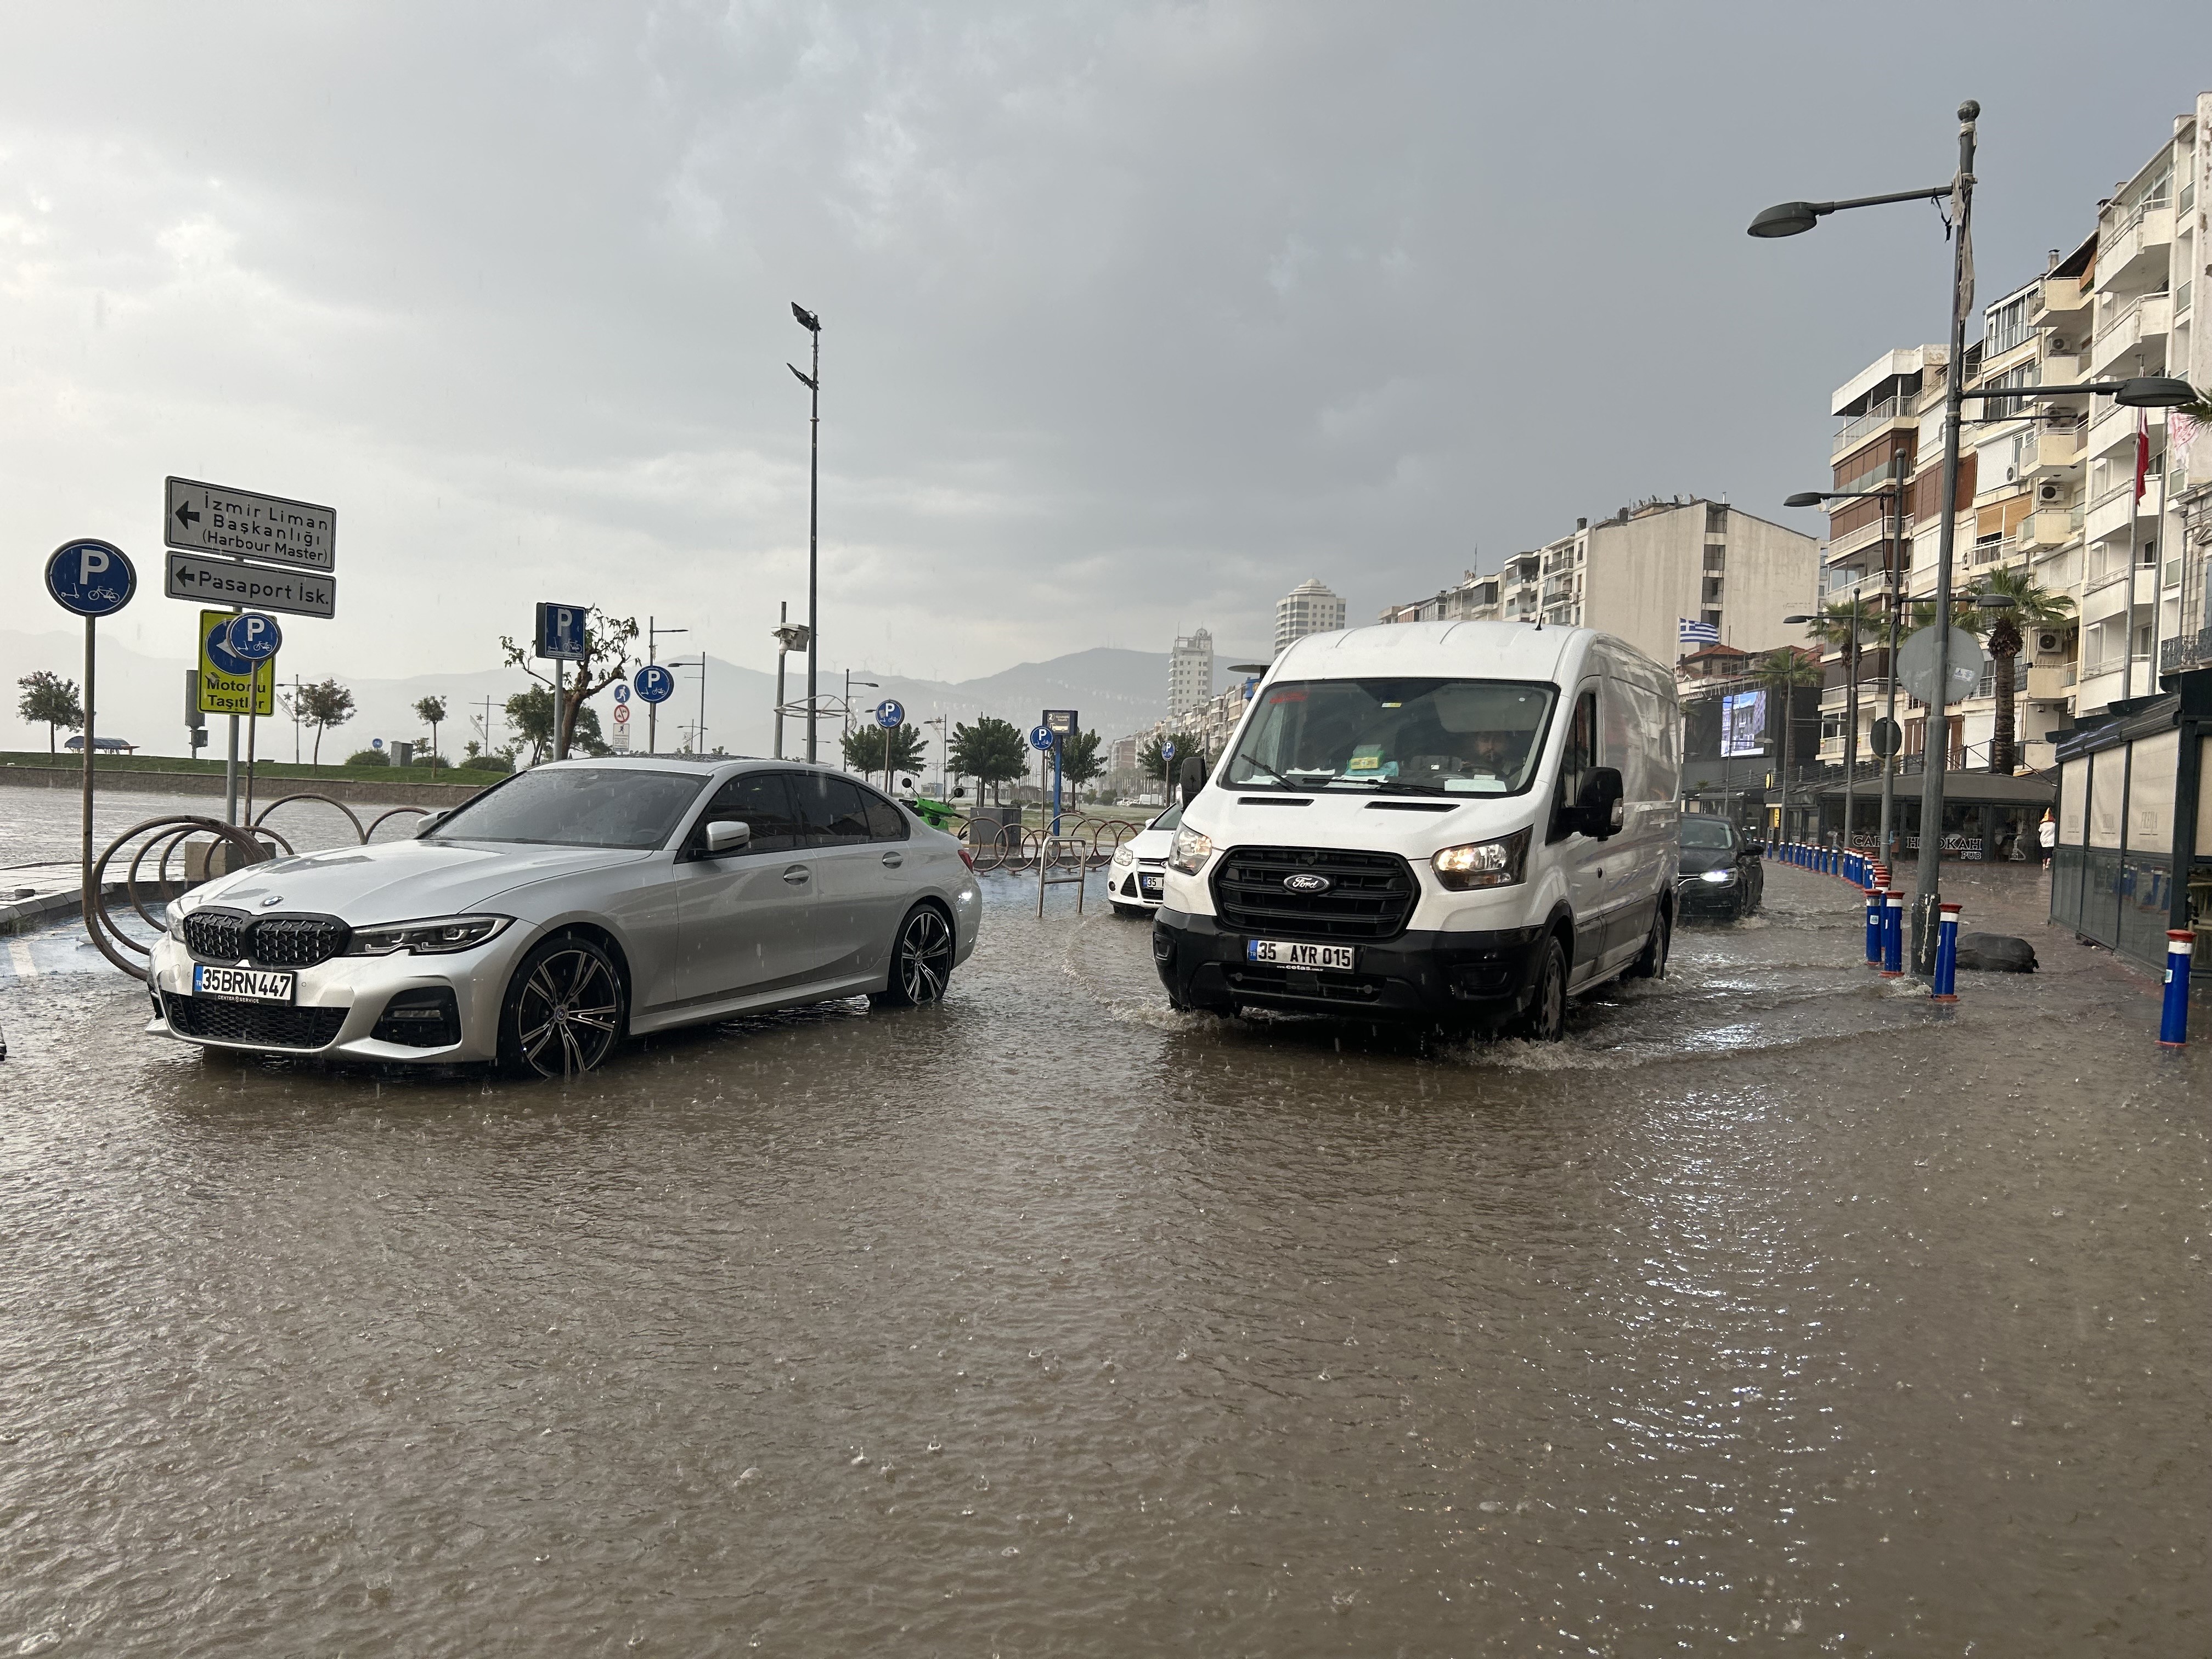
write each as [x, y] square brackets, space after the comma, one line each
[1280, 781]
[1408, 787]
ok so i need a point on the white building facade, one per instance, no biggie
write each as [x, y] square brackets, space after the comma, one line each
[1309, 608]
[1190, 672]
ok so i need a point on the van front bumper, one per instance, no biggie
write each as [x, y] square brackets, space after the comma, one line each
[1418, 976]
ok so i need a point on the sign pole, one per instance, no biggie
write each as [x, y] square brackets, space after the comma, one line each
[559, 668]
[84, 882]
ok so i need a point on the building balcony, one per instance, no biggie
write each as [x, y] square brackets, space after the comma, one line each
[2057, 450]
[2051, 527]
[2140, 327]
[1872, 533]
[1879, 417]
[2053, 684]
[2109, 515]
[2133, 253]
[2113, 428]
[2061, 304]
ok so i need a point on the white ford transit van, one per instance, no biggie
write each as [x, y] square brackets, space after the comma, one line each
[1460, 823]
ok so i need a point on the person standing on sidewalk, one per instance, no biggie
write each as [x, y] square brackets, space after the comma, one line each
[2047, 832]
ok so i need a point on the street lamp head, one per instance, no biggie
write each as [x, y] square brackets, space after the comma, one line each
[1804, 498]
[2155, 392]
[1799, 619]
[807, 319]
[1995, 601]
[1786, 219]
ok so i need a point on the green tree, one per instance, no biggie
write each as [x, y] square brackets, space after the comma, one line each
[323, 705]
[992, 751]
[529, 717]
[605, 659]
[1782, 673]
[1153, 765]
[1080, 759]
[431, 711]
[49, 701]
[2033, 606]
[864, 748]
[368, 757]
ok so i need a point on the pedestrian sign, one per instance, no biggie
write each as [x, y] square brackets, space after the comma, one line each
[622, 696]
[622, 714]
[230, 683]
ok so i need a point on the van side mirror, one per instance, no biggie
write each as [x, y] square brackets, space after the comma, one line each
[1193, 777]
[1598, 811]
[1754, 849]
[727, 836]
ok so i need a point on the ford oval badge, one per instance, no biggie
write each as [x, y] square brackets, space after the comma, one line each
[1307, 884]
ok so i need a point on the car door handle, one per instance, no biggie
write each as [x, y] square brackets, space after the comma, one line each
[796, 874]
[892, 860]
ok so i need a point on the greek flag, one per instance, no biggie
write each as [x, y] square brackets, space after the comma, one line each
[1698, 633]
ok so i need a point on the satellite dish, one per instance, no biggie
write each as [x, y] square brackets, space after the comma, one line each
[1916, 666]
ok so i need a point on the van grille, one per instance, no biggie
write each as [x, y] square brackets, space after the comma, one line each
[1369, 895]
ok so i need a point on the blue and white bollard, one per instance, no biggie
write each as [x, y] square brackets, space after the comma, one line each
[2173, 1018]
[1873, 927]
[1892, 935]
[1946, 989]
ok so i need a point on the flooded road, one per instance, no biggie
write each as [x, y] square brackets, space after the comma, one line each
[1773, 1306]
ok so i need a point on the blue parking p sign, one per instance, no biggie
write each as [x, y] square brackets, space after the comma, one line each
[889, 713]
[93, 579]
[654, 683]
[1040, 737]
[560, 631]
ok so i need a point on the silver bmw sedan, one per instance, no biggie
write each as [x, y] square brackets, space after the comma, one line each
[570, 906]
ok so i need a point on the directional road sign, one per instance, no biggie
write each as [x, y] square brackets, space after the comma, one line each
[230, 683]
[205, 518]
[1041, 736]
[560, 631]
[93, 579]
[225, 581]
[1061, 722]
[654, 684]
[622, 696]
[254, 636]
[890, 714]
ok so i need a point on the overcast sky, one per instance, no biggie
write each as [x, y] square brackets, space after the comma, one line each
[1136, 316]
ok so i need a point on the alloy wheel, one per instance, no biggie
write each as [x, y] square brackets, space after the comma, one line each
[569, 1013]
[924, 957]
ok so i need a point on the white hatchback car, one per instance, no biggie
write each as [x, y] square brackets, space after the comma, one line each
[569, 906]
[1133, 880]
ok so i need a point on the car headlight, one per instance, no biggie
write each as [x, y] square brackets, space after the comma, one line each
[1123, 857]
[434, 936]
[1718, 877]
[1191, 852]
[1482, 863]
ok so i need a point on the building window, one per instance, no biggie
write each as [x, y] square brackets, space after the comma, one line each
[1716, 517]
[1712, 595]
[1713, 618]
[1715, 559]
[2004, 325]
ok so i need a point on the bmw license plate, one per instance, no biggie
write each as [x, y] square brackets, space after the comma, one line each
[1290, 953]
[242, 984]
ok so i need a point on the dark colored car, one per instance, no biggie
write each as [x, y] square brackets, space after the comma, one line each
[1722, 873]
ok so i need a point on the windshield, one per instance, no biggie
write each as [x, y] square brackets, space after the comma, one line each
[1426, 736]
[1707, 832]
[588, 806]
[1168, 820]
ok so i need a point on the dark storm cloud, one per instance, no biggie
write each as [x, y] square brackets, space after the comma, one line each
[1136, 316]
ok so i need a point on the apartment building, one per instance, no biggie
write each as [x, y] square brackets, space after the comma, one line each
[1473, 598]
[1309, 608]
[1190, 671]
[1644, 572]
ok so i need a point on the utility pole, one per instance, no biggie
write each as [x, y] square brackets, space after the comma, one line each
[653, 633]
[813, 324]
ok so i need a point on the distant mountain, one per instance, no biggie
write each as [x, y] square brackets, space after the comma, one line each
[142, 699]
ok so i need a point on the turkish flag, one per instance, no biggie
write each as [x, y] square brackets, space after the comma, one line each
[2142, 452]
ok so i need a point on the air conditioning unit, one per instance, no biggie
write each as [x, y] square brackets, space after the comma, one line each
[2044, 642]
[2048, 493]
[2059, 346]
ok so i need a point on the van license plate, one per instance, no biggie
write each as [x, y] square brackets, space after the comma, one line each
[242, 984]
[1288, 953]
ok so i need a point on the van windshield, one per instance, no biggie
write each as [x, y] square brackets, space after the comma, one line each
[1417, 736]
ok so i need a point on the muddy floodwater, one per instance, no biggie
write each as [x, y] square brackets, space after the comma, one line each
[1773, 1309]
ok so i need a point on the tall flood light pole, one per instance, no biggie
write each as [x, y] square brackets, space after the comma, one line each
[812, 324]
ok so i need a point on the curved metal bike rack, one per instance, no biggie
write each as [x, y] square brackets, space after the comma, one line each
[166, 833]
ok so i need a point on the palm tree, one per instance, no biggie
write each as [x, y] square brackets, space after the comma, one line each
[1843, 625]
[1782, 671]
[2034, 605]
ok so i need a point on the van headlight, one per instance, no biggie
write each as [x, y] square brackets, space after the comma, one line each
[434, 936]
[1191, 852]
[1482, 863]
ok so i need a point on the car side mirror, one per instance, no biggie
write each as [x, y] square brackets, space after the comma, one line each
[1754, 849]
[960, 792]
[431, 822]
[728, 837]
[1599, 812]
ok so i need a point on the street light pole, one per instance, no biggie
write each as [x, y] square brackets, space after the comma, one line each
[653, 633]
[813, 324]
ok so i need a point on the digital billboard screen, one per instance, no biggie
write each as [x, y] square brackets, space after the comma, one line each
[1743, 724]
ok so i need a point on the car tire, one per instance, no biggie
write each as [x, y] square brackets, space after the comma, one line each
[1545, 1019]
[922, 961]
[566, 1008]
[1652, 965]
